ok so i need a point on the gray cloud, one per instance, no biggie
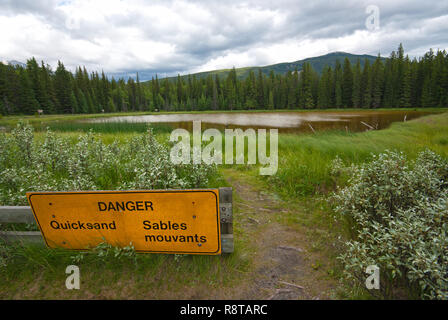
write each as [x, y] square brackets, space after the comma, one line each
[168, 37]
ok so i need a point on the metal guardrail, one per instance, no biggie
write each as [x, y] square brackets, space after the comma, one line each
[23, 214]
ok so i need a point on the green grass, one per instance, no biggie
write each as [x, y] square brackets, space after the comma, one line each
[304, 160]
[35, 272]
[305, 182]
[104, 127]
[303, 179]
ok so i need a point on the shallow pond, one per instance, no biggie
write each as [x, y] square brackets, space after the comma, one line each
[286, 122]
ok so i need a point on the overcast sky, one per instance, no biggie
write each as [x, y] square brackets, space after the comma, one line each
[170, 37]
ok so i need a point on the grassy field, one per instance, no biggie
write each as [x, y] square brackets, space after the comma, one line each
[75, 161]
[304, 159]
[303, 183]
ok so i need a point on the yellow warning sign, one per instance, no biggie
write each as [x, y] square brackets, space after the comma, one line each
[160, 221]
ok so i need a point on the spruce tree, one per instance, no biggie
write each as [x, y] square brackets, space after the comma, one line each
[324, 90]
[356, 91]
[347, 84]
[215, 95]
[260, 91]
[337, 85]
[388, 92]
[83, 106]
[34, 74]
[73, 103]
[111, 105]
[271, 100]
[27, 102]
[427, 100]
[63, 89]
[307, 86]
[377, 82]
[366, 85]
[46, 78]
[405, 99]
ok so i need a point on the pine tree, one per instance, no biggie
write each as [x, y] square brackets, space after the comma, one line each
[427, 100]
[271, 100]
[388, 92]
[111, 105]
[377, 82]
[90, 104]
[83, 106]
[260, 91]
[366, 86]
[73, 103]
[215, 94]
[356, 92]
[156, 91]
[251, 94]
[34, 75]
[394, 82]
[3, 89]
[337, 83]
[49, 105]
[324, 91]
[63, 89]
[27, 102]
[347, 84]
[405, 99]
[307, 86]
[291, 91]
[180, 89]
[399, 74]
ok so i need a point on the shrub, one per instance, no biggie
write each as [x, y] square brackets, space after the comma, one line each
[105, 252]
[398, 213]
[89, 164]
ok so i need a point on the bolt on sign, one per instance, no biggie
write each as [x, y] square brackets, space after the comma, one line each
[158, 221]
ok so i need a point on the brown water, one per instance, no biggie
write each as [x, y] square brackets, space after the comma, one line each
[286, 122]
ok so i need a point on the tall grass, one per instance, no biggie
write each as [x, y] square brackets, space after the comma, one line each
[104, 127]
[33, 271]
[57, 163]
[304, 160]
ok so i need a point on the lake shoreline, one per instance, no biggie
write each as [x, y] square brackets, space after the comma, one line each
[285, 122]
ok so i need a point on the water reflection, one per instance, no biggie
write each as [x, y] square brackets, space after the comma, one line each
[286, 122]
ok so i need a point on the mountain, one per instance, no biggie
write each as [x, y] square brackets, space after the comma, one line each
[317, 63]
[14, 63]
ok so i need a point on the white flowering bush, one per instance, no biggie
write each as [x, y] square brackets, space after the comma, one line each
[398, 212]
[57, 164]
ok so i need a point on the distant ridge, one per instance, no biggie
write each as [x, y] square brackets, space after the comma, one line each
[317, 63]
[14, 63]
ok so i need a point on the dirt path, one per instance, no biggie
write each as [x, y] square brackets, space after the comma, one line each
[284, 268]
[275, 239]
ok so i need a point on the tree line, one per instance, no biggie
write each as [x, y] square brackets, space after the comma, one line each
[396, 81]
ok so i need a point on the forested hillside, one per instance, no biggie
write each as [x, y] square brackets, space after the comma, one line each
[395, 82]
[317, 63]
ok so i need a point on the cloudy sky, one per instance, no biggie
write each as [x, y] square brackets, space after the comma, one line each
[170, 37]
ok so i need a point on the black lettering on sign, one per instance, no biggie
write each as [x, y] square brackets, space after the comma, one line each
[175, 238]
[78, 225]
[122, 206]
[168, 225]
